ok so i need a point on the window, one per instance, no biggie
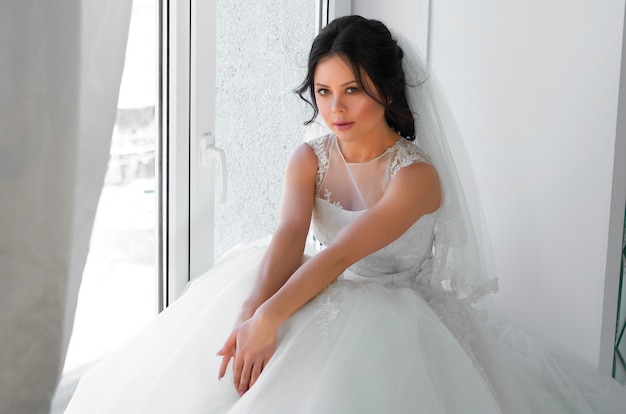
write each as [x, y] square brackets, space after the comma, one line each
[118, 290]
[197, 74]
[118, 293]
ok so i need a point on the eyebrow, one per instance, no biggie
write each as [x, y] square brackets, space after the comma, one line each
[343, 84]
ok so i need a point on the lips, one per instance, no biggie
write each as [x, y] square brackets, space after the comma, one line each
[342, 126]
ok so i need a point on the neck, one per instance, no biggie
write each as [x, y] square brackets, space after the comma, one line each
[367, 147]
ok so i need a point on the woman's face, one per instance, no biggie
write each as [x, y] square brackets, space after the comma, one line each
[345, 107]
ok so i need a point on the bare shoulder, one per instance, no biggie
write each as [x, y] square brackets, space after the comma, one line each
[302, 165]
[302, 160]
[304, 152]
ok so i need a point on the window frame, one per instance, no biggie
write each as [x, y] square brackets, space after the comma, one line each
[186, 156]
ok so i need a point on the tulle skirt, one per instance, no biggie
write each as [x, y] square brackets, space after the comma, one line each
[358, 347]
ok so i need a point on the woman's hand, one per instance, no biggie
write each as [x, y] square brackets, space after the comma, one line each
[252, 343]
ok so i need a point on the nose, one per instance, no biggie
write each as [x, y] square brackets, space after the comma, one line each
[337, 104]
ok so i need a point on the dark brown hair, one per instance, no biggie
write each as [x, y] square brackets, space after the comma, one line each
[367, 46]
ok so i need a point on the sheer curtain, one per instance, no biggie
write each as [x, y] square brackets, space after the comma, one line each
[59, 80]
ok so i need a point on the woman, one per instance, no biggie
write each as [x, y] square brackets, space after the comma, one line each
[379, 321]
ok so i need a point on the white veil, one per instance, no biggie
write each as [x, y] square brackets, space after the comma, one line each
[461, 267]
[522, 372]
[461, 246]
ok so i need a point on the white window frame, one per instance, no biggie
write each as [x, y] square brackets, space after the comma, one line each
[188, 158]
[328, 10]
[174, 151]
[187, 153]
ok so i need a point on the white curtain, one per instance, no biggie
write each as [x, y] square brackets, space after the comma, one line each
[60, 70]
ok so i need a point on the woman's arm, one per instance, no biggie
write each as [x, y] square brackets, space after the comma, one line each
[286, 249]
[413, 192]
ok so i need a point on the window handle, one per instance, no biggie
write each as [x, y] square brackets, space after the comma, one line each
[210, 151]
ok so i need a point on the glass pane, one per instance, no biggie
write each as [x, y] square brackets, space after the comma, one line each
[262, 50]
[118, 294]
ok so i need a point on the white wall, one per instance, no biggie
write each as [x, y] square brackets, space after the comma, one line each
[534, 88]
[262, 50]
[408, 18]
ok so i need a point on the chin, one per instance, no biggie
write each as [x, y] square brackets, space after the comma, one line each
[345, 136]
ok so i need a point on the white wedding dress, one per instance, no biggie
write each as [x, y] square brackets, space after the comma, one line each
[377, 340]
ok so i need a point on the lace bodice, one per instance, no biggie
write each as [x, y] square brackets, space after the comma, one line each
[341, 185]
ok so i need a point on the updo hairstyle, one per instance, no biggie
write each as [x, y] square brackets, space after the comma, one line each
[367, 46]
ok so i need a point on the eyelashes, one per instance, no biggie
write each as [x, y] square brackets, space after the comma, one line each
[322, 91]
[349, 90]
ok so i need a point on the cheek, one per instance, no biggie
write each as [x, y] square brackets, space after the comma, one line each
[324, 109]
[372, 110]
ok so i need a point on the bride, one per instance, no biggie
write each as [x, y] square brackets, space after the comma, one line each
[384, 318]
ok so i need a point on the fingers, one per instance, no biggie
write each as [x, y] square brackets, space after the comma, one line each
[230, 343]
[227, 352]
[250, 372]
[237, 368]
[251, 346]
[246, 373]
[225, 360]
[244, 378]
[256, 371]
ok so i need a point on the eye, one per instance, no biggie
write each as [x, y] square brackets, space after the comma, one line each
[352, 89]
[323, 91]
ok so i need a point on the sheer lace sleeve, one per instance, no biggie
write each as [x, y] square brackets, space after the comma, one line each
[320, 147]
[406, 154]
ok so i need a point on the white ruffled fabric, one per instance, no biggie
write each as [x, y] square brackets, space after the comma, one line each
[384, 338]
[360, 347]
